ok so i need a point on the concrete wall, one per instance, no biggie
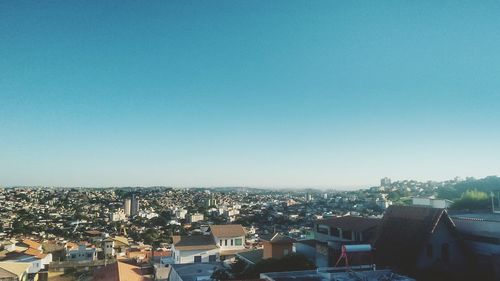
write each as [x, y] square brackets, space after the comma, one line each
[306, 250]
[276, 251]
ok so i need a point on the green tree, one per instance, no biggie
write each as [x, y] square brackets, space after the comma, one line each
[472, 200]
[219, 275]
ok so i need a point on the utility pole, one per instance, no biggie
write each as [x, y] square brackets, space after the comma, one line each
[492, 202]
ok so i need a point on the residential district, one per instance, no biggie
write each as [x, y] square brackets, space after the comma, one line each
[398, 230]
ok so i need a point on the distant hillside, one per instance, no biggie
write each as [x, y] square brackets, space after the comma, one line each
[454, 191]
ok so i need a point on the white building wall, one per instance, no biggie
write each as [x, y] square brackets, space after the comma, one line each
[188, 256]
[223, 246]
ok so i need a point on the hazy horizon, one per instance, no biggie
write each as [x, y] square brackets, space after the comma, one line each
[247, 93]
[338, 188]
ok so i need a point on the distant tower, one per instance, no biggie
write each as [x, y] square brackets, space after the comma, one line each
[309, 197]
[127, 206]
[385, 182]
[134, 208]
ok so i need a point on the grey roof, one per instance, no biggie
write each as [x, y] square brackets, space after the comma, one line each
[253, 256]
[277, 238]
[192, 271]
[194, 242]
[317, 275]
[354, 223]
[308, 242]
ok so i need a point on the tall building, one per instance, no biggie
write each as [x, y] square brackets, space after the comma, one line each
[131, 206]
[134, 209]
[127, 206]
[385, 182]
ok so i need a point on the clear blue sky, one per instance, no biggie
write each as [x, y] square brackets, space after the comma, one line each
[248, 93]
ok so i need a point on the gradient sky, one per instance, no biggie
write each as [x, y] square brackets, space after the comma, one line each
[248, 93]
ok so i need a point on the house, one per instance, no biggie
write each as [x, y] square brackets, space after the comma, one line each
[274, 246]
[34, 258]
[28, 252]
[413, 240]
[194, 249]
[108, 246]
[332, 233]
[196, 217]
[80, 253]
[230, 238]
[221, 242]
[14, 271]
[121, 244]
[345, 229]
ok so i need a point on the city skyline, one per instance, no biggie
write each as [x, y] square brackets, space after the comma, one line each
[247, 93]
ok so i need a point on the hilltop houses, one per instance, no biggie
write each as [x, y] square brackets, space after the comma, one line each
[221, 242]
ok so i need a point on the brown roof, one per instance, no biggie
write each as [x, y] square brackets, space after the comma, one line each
[120, 271]
[93, 232]
[71, 245]
[403, 232]
[351, 223]
[228, 230]
[35, 253]
[194, 242]
[31, 243]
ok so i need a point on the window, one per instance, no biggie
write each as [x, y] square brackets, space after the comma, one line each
[334, 232]
[197, 258]
[445, 252]
[322, 230]
[212, 258]
[428, 250]
[357, 236]
[232, 242]
[346, 234]
[238, 241]
[220, 242]
[225, 242]
[285, 252]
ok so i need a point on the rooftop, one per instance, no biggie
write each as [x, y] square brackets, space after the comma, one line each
[16, 268]
[354, 223]
[277, 238]
[120, 271]
[491, 217]
[252, 256]
[194, 242]
[319, 275]
[228, 230]
[193, 271]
